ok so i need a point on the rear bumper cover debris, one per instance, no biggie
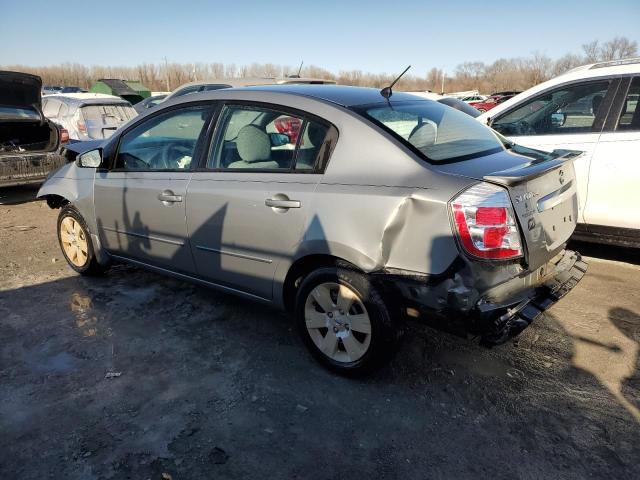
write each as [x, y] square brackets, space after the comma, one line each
[495, 304]
[568, 272]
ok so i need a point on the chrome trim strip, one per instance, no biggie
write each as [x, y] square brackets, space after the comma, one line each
[234, 254]
[150, 237]
[190, 278]
[555, 198]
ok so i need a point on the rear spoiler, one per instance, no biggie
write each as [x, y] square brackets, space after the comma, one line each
[535, 168]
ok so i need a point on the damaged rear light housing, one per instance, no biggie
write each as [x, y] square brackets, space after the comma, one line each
[485, 222]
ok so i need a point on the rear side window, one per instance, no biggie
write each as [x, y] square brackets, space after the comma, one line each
[264, 139]
[120, 112]
[566, 110]
[18, 113]
[440, 133]
[51, 108]
[630, 114]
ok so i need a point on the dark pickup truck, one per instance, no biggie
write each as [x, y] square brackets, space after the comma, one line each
[29, 142]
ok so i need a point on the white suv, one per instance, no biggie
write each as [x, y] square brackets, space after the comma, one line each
[591, 108]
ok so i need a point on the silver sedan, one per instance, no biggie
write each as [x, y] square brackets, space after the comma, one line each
[350, 209]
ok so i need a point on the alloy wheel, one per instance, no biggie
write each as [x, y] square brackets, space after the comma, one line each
[338, 322]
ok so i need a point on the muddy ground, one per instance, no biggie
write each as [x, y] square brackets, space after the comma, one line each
[204, 385]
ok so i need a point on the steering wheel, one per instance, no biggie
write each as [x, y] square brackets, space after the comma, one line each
[170, 153]
[524, 128]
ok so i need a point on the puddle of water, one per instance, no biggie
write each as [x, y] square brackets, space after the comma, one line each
[82, 307]
[39, 360]
[139, 295]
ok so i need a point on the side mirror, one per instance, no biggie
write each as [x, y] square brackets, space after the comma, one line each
[90, 159]
[558, 119]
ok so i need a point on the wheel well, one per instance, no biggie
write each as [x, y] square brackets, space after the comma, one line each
[56, 201]
[301, 268]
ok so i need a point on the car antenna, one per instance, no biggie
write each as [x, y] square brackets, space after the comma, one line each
[386, 92]
[297, 75]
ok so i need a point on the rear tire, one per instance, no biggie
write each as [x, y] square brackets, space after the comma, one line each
[345, 322]
[75, 242]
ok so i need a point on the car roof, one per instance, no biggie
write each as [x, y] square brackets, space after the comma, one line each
[343, 95]
[87, 98]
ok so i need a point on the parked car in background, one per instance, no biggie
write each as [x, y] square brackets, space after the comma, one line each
[379, 208]
[149, 103]
[29, 143]
[88, 116]
[506, 93]
[204, 86]
[491, 102]
[474, 98]
[592, 108]
[51, 89]
[452, 102]
[72, 90]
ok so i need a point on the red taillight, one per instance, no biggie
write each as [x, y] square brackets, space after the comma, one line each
[64, 136]
[289, 126]
[485, 222]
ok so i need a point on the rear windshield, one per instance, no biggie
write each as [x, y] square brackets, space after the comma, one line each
[119, 112]
[18, 113]
[440, 133]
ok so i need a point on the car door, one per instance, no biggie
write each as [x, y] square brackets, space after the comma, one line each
[248, 205]
[566, 117]
[140, 201]
[614, 195]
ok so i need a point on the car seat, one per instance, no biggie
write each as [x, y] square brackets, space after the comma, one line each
[254, 148]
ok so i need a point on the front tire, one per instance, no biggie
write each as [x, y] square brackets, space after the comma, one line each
[345, 322]
[75, 242]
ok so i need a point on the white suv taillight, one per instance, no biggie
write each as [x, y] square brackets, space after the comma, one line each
[485, 222]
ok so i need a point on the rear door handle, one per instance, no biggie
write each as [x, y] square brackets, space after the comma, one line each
[169, 197]
[278, 203]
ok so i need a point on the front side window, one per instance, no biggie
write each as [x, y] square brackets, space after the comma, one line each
[164, 142]
[630, 114]
[440, 133]
[569, 109]
[257, 138]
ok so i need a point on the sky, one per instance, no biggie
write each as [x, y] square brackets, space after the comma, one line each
[372, 36]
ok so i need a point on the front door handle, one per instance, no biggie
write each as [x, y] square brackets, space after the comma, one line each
[168, 196]
[281, 203]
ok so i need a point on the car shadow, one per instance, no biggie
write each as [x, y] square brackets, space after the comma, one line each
[607, 252]
[134, 368]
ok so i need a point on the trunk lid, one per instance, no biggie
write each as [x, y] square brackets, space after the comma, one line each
[20, 90]
[542, 188]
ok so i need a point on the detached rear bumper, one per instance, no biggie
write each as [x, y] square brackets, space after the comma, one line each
[495, 303]
[498, 328]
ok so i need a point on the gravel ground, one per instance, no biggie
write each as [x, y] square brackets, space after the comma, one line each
[133, 375]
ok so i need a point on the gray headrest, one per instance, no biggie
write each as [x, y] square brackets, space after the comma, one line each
[253, 144]
[423, 136]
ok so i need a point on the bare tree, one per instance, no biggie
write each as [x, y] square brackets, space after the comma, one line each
[618, 48]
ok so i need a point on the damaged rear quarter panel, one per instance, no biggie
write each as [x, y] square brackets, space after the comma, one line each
[395, 228]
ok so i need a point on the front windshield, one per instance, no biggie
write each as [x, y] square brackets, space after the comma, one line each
[18, 113]
[440, 133]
